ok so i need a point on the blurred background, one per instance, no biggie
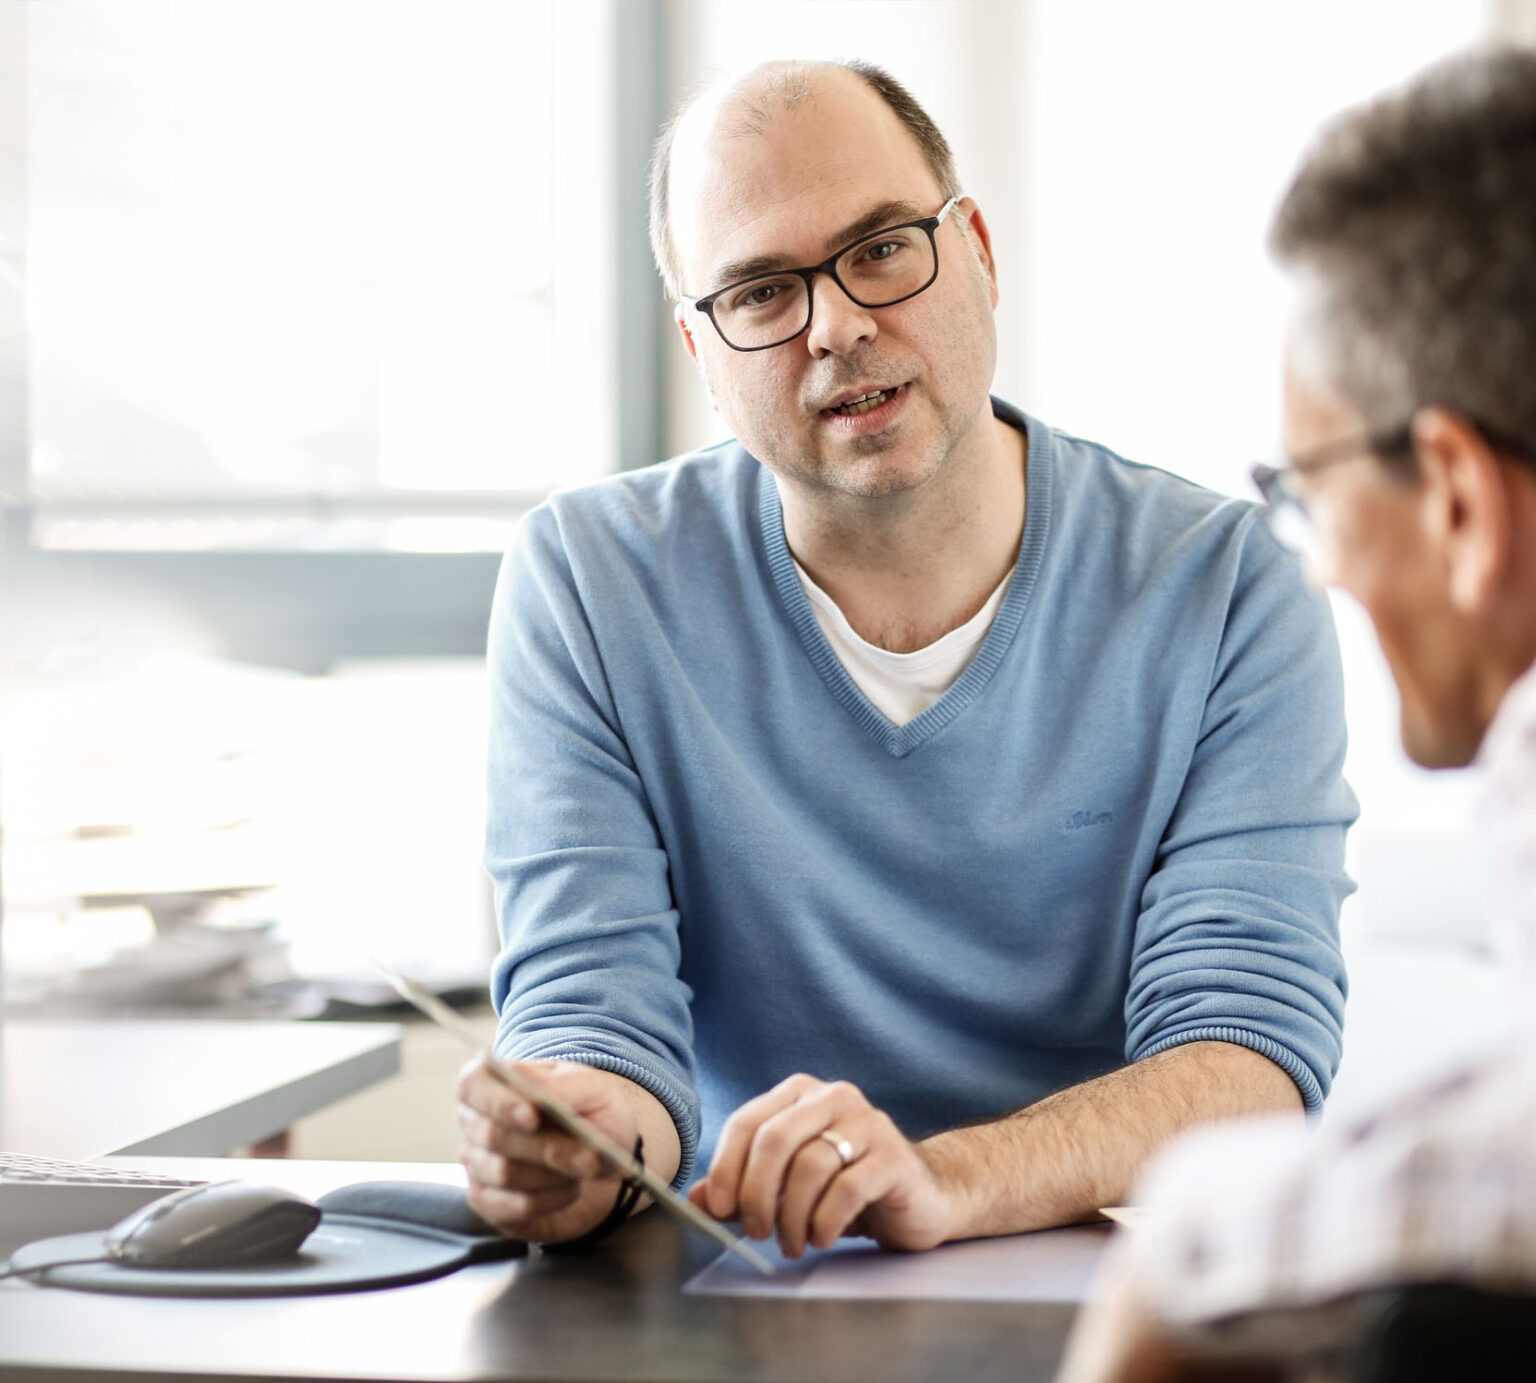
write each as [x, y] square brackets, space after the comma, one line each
[304, 302]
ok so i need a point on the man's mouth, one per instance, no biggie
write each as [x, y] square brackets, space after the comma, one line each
[865, 403]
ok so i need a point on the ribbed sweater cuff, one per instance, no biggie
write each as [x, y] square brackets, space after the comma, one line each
[1287, 1060]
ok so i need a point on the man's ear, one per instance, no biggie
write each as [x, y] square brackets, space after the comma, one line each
[975, 227]
[680, 316]
[1467, 508]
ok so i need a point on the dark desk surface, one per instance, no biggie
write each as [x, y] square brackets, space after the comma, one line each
[613, 1313]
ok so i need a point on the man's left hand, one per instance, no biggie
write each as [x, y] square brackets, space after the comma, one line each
[813, 1160]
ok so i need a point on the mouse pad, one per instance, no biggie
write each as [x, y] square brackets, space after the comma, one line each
[375, 1234]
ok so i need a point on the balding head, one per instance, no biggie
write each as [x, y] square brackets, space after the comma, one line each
[745, 107]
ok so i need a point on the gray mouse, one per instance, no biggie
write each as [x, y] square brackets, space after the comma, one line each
[223, 1224]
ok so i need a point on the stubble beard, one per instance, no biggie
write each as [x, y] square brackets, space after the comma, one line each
[856, 467]
[801, 460]
[863, 477]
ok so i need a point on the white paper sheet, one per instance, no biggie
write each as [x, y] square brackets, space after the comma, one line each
[1052, 1265]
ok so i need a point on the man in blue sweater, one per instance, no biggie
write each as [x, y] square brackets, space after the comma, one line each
[921, 813]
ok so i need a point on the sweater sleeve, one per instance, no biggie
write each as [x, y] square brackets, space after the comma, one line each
[588, 969]
[1237, 937]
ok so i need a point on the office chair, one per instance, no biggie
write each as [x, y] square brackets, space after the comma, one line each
[1436, 1333]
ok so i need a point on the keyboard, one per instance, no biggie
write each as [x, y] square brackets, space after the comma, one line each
[41, 1197]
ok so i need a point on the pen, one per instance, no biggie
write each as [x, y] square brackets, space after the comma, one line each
[564, 1117]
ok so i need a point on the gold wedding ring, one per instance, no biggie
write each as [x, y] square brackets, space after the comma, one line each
[840, 1145]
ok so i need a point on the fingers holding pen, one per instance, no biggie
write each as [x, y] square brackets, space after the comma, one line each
[519, 1126]
[519, 1210]
[484, 1091]
[539, 1157]
[525, 1175]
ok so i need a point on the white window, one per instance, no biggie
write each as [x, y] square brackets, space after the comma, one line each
[303, 251]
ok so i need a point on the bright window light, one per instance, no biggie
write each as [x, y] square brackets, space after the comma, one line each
[314, 247]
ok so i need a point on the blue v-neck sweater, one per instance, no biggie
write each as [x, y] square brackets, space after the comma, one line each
[716, 864]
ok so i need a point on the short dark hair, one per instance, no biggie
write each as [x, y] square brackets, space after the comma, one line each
[794, 86]
[1415, 217]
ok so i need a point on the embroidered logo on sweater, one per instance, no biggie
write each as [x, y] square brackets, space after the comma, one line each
[1079, 820]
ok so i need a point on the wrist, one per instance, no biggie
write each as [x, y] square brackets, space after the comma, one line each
[653, 1122]
[649, 1119]
[623, 1207]
[996, 1180]
[962, 1192]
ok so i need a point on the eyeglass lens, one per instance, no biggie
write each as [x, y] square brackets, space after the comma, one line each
[1285, 510]
[884, 269]
[1291, 524]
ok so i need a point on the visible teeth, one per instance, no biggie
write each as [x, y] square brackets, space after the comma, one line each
[866, 404]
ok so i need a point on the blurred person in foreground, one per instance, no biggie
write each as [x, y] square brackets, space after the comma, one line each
[908, 811]
[1409, 235]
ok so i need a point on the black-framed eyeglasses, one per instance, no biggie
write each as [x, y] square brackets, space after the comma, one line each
[888, 267]
[1288, 513]
[1286, 503]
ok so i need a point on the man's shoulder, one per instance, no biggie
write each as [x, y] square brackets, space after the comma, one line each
[1092, 471]
[715, 479]
[1148, 524]
[683, 519]
[654, 548]
[1173, 553]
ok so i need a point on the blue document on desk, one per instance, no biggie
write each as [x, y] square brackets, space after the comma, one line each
[1053, 1265]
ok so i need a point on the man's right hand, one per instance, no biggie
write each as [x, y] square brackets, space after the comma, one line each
[526, 1177]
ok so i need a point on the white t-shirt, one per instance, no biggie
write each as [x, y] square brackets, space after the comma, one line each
[901, 686]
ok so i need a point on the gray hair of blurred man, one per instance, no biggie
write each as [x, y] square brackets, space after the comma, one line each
[781, 86]
[1411, 227]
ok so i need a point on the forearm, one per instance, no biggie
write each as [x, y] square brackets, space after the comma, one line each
[1058, 1161]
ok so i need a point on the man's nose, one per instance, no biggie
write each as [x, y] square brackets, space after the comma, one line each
[837, 322]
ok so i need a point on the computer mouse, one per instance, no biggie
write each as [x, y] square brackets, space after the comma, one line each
[222, 1224]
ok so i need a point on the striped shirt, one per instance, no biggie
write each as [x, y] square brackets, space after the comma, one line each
[1438, 1186]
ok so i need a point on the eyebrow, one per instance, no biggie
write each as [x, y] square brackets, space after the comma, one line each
[876, 218]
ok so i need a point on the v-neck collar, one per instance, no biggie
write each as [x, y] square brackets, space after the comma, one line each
[901, 740]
